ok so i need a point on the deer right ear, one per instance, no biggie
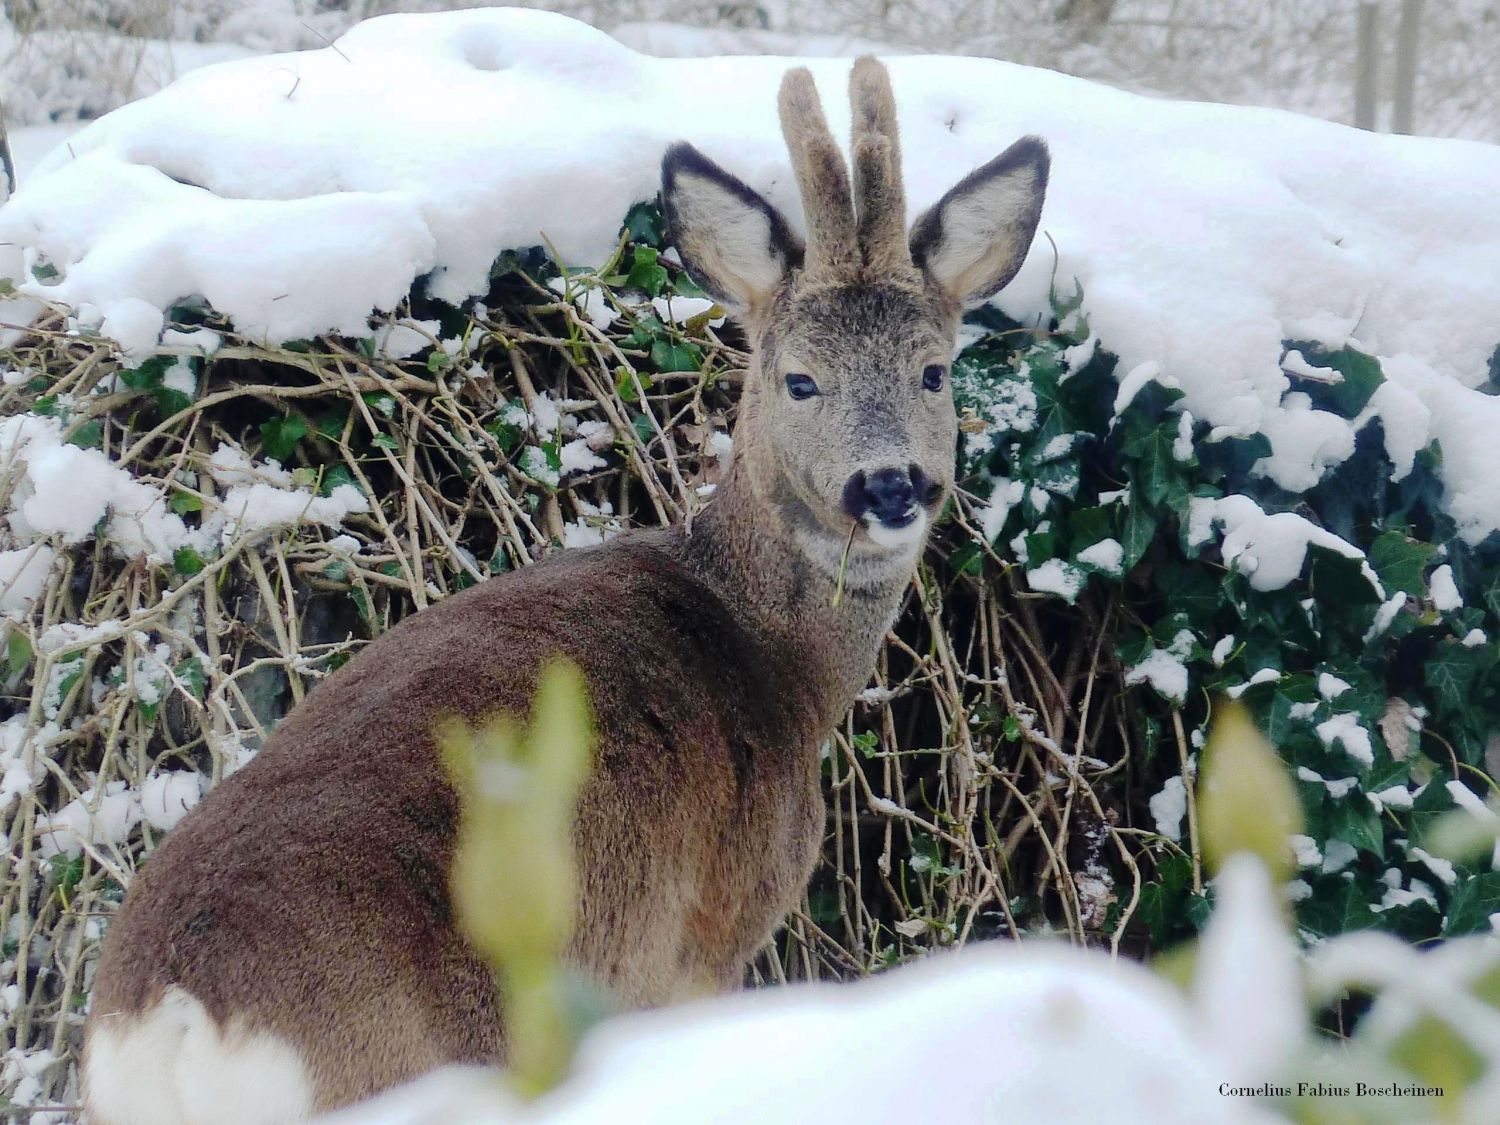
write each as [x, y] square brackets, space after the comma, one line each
[733, 243]
[974, 239]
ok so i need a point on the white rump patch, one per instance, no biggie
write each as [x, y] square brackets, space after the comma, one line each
[174, 1066]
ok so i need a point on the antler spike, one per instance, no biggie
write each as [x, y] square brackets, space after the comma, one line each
[879, 198]
[822, 176]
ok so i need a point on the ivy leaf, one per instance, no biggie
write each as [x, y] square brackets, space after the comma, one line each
[1428, 810]
[1338, 580]
[1157, 474]
[1398, 561]
[17, 651]
[90, 435]
[334, 477]
[1140, 529]
[1339, 911]
[183, 502]
[644, 223]
[279, 436]
[676, 357]
[380, 402]
[968, 559]
[190, 673]
[1452, 670]
[1355, 821]
[625, 384]
[645, 273]
[187, 561]
[1470, 904]
[1362, 377]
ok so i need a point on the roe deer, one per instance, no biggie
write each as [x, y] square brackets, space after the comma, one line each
[290, 946]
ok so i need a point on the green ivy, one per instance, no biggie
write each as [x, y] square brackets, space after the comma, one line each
[1041, 437]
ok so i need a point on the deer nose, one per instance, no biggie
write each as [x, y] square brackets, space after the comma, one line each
[887, 494]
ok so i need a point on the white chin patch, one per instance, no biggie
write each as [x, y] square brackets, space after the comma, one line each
[906, 536]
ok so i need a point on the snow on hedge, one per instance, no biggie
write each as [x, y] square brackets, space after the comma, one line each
[67, 491]
[299, 192]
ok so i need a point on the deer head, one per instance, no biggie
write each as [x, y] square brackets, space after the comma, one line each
[847, 427]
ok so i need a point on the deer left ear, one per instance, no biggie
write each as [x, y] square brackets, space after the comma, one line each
[733, 243]
[973, 240]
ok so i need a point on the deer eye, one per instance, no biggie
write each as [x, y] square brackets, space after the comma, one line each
[932, 377]
[800, 387]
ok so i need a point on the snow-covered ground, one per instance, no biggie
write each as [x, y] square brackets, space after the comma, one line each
[300, 192]
[1003, 1033]
[30, 144]
[1027, 1035]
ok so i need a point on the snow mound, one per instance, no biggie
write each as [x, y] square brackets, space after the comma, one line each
[299, 192]
[1023, 1034]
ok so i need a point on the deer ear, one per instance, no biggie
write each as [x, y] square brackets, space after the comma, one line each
[733, 243]
[973, 240]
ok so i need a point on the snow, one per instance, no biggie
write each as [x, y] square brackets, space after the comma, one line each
[1057, 577]
[166, 797]
[1442, 868]
[1004, 495]
[1337, 855]
[1305, 443]
[1337, 787]
[1464, 423]
[1182, 444]
[262, 507]
[1107, 554]
[1135, 379]
[1033, 1033]
[680, 310]
[74, 635]
[1392, 797]
[590, 301]
[23, 573]
[1011, 405]
[1330, 686]
[406, 338]
[1344, 730]
[30, 146]
[67, 491]
[1165, 668]
[107, 817]
[1445, 595]
[1169, 806]
[259, 499]
[1270, 548]
[1385, 615]
[299, 192]
[1260, 676]
[1395, 896]
[1294, 363]
[1248, 983]
[1466, 799]
[1305, 850]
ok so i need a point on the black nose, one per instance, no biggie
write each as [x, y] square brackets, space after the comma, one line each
[886, 494]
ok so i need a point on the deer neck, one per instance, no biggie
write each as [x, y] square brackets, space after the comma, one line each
[778, 569]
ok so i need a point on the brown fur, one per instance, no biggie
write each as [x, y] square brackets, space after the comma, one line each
[307, 896]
